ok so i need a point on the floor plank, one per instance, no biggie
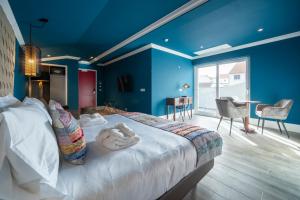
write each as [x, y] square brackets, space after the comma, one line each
[252, 166]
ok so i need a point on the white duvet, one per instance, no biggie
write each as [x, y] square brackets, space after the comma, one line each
[143, 171]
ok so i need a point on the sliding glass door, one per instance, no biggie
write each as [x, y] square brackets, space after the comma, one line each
[223, 79]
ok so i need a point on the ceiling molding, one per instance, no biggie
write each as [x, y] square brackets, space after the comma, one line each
[54, 65]
[171, 16]
[171, 51]
[60, 58]
[12, 20]
[252, 44]
[146, 47]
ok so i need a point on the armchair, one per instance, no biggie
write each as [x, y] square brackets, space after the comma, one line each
[279, 112]
[227, 107]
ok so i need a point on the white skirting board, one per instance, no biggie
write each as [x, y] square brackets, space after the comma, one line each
[273, 124]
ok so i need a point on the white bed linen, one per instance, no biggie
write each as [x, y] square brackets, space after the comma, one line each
[143, 171]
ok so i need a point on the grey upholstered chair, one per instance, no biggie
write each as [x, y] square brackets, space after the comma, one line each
[279, 112]
[227, 107]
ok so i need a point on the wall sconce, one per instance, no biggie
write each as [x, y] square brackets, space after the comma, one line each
[184, 87]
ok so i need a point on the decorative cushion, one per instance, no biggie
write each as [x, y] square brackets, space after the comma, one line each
[69, 135]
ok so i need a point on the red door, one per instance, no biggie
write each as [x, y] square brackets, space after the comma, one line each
[86, 88]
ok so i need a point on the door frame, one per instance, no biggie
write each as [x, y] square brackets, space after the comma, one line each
[85, 70]
[66, 76]
[217, 63]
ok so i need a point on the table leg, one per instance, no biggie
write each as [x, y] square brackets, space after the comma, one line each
[167, 111]
[174, 115]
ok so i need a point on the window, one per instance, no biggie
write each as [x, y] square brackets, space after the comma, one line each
[237, 77]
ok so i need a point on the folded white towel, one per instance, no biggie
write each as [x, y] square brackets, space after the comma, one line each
[88, 120]
[125, 129]
[114, 139]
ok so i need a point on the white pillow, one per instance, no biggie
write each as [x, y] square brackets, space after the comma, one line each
[7, 101]
[30, 147]
[38, 104]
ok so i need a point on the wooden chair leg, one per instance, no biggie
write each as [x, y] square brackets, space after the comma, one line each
[219, 122]
[262, 127]
[279, 126]
[231, 119]
[285, 129]
[258, 122]
[245, 126]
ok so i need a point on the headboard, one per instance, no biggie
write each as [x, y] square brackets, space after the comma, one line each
[7, 55]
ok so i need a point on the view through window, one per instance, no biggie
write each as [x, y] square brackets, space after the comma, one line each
[220, 80]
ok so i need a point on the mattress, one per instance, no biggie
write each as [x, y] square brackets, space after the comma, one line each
[143, 171]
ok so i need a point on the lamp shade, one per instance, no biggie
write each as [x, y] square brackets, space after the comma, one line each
[32, 55]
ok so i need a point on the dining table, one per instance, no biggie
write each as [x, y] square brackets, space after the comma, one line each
[247, 127]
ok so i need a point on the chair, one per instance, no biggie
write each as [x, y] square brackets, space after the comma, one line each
[279, 112]
[227, 107]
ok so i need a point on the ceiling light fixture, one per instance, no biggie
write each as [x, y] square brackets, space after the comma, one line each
[91, 57]
[201, 47]
[213, 49]
[166, 40]
[48, 55]
[260, 30]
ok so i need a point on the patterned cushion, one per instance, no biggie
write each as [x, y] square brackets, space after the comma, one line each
[69, 135]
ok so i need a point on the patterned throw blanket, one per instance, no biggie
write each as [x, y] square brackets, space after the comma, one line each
[208, 143]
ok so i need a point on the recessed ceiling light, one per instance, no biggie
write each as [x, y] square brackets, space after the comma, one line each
[166, 40]
[91, 57]
[48, 55]
[260, 30]
[213, 49]
[201, 47]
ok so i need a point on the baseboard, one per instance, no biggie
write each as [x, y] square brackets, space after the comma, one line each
[273, 124]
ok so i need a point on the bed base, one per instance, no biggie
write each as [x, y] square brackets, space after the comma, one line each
[181, 189]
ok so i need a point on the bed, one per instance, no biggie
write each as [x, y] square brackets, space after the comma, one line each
[161, 166]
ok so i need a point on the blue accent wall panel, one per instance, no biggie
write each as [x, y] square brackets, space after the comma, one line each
[139, 68]
[19, 78]
[274, 72]
[169, 73]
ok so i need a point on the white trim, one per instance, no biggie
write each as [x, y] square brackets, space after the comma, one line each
[171, 16]
[60, 58]
[12, 20]
[96, 86]
[84, 62]
[66, 76]
[146, 47]
[273, 124]
[171, 51]
[253, 44]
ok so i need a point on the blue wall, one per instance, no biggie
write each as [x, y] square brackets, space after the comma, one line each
[73, 67]
[139, 68]
[19, 79]
[160, 73]
[169, 73]
[274, 72]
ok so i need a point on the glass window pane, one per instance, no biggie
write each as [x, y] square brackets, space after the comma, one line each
[232, 80]
[207, 83]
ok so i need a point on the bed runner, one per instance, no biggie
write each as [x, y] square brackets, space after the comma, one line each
[208, 143]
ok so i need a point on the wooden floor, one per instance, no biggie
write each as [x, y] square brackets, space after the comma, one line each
[252, 166]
